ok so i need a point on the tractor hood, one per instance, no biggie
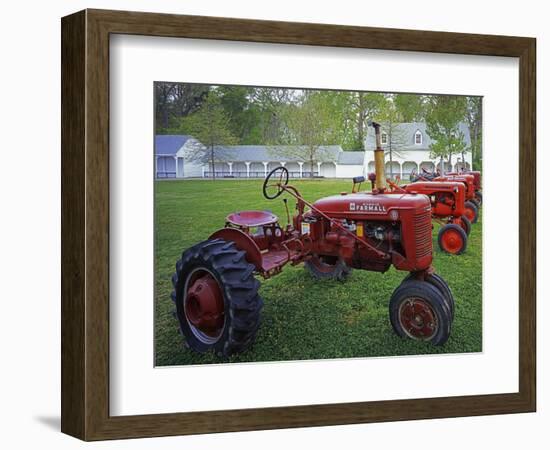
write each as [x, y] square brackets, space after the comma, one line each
[367, 204]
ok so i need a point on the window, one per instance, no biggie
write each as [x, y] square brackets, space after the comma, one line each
[384, 138]
[418, 138]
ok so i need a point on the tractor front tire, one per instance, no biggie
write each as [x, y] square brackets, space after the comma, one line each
[452, 239]
[419, 311]
[438, 282]
[216, 298]
[479, 197]
[327, 268]
[466, 225]
[475, 201]
[471, 211]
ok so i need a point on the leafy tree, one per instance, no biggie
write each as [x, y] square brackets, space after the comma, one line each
[474, 118]
[176, 100]
[411, 107]
[310, 127]
[364, 106]
[210, 125]
[442, 125]
[244, 117]
[270, 104]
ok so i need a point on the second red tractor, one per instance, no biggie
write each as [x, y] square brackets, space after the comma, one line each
[448, 204]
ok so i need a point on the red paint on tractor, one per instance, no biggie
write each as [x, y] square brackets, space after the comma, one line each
[204, 306]
[451, 241]
[243, 242]
[466, 179]
[418, 318]
[251, 218]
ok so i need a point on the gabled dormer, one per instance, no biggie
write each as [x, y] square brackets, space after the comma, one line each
[418, 138]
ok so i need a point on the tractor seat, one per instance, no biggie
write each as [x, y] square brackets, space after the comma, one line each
[251, 218]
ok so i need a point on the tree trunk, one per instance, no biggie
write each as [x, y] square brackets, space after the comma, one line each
[212, 162]
[361, 122]
[391, 164]
[164, 110]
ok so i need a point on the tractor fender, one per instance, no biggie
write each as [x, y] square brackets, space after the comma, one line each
[243, 242]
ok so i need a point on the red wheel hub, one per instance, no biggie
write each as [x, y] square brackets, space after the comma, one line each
[452, 241]
[204, 305]
[470, 214]
[418, 318]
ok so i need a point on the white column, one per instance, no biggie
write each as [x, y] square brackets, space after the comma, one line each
[230, 168]
[247, 169]
[176, 160]
[282, 163]
[318, 169]
[265, 167]
[400, 171]
[156, 166]
[203, 171]
[301, 164]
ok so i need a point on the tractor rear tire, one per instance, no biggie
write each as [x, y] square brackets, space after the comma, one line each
[466, 225]
[216, 298]
[327, 268]
[437, 281]
[479, 197]
[452, 239]
[471, 211]
[419, 311]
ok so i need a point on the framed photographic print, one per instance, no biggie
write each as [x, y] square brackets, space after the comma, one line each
[270, 224]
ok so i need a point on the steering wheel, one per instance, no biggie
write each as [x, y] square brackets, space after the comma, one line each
[274, 182]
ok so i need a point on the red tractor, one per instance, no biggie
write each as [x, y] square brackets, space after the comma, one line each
[477, 182]
[215, 285]
[447, 200]
[472, 204]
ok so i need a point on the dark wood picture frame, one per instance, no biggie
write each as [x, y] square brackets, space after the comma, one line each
[85, 224]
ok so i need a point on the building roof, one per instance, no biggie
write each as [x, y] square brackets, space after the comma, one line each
[408, 130]
[259, 153]
[169, 144]
[351, 158]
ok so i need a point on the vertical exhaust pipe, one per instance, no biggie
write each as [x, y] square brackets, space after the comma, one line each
[379, 164]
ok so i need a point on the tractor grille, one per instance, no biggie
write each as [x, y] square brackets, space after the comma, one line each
[423, 233]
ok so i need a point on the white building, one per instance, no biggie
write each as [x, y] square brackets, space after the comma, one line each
[413, 152]
[176, 157]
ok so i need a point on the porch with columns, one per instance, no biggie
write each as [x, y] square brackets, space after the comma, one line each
[257, 169]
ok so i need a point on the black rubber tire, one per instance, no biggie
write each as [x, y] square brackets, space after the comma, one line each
[472, 205]
[457, 228]
[475, 202]
[479, 197]
[438, 281]
[338, 271]
[466, 225]
[433, 297]
[242, 304]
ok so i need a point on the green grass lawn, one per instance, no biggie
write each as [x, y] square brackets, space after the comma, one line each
[302, 318]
